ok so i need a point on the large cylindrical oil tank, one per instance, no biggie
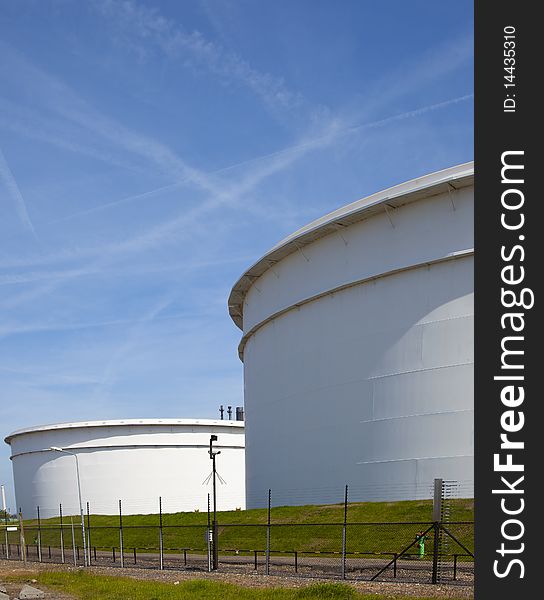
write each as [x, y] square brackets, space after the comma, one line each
[136, 461]
[358, 348]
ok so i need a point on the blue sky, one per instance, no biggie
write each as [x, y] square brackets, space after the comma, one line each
[151, 150]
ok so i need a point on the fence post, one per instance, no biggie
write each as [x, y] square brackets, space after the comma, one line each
[344, 532]
[454, 567]
[62, 556]
[267, 566]
[437, 512]
[161, 558]
[88, 534]
[39, 535]
[22, 541]
[436, 541]
[209, 539]
[6, 534]
[73, 541]
[22, 536]
[121, 548]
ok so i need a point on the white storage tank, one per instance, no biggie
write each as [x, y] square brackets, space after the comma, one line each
[133, 460]
[358, 348]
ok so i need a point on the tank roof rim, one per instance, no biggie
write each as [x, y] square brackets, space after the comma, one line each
[123, 423]
[428, 185]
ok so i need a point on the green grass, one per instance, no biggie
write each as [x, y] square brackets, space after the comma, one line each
[187, 530]
[402, 511]
[85, 586]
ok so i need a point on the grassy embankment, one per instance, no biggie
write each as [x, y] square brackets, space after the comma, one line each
[237, 530]
[85, 586]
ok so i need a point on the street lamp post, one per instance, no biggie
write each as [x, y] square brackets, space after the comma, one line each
[213, 453]
[57, 449]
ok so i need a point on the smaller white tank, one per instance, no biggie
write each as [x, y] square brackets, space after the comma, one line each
[132, 460]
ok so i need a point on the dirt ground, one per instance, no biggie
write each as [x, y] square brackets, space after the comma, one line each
[11, 568]
[13, 589]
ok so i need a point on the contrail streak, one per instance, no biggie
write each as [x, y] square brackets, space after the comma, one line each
[13, 189]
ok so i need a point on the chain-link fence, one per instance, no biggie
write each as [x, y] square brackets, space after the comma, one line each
[279, 542]
[365, 551]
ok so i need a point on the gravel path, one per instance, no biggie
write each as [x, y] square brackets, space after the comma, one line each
[247, 580]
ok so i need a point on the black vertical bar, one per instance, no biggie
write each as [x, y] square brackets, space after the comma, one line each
[89, 531]
[121, 545]
[344, 532]
[436, 541]
[161, 556]
[62, 556]
[296, 561]
[49, 551]
[215, 528]
[455, 567]
[113, 553]
[208, 537]
[395, 565]
[94, 552]
[134, 551]
[267, 564]
[508, 257]
[185, 556]
[39, 548]
[255, 558]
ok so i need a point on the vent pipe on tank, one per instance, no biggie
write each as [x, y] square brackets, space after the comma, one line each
[221, 411]
[229, 412]
[239, 413]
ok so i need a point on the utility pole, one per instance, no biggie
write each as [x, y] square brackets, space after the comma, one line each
[213, 453]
